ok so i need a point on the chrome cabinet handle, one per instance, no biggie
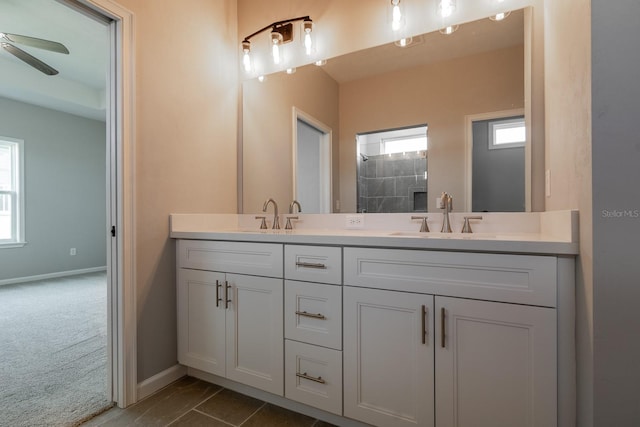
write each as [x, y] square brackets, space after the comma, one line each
[315, 316]
[424, 324]
[310, 378]
[218, 299]
[226, 295]
[443, 316]
[311, 265]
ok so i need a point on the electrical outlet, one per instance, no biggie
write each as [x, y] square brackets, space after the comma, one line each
[355, 221]
[72, 251]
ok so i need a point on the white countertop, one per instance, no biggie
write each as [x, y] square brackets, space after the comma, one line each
[531, 233]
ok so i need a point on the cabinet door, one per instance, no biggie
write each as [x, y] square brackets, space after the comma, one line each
[201, 320]
[388, 368]
[255, 338]
[497, 367]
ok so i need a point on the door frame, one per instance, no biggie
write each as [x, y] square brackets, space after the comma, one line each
[326, 139]
[121, 272]
[468, 153]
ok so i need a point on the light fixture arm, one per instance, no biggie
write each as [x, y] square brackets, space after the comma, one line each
[276, 25]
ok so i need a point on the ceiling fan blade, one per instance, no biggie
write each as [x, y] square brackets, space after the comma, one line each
[31, 60]
[35, 42]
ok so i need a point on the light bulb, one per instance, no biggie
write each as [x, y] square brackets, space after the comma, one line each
[261, 78]
[291, 70]
[500, 16]
[446, 7]
[321, 62]
[246, 61]
[396, 15]
[307, 43]
[307, 27]
[275, 48]
[450, 29]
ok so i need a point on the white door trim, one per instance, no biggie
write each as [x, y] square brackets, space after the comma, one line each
[121, 131]
[468, 151]
[326, 186]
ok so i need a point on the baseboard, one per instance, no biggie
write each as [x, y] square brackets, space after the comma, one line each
[51, 275]
[160, 380]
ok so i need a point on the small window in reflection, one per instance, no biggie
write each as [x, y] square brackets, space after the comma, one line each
[507, 133]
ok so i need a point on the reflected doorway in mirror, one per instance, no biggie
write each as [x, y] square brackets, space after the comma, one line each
[392, 170]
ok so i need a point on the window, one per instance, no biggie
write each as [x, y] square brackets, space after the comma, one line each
[11, 192]
[403, 144]
[507, 133]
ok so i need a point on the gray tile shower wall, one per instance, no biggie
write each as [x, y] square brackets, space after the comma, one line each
[393, 183]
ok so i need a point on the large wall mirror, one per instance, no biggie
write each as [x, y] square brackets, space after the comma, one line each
[445, 83]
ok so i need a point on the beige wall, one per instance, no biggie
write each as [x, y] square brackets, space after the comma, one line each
[440, 95]
[186, 113]
[568, 159]
[267, 131]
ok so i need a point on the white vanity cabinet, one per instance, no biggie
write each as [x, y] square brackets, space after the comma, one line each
[388, 357]
[313, 326]
[417, 350]
[230, 313]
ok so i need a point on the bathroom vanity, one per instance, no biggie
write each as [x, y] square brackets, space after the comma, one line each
[386, 327]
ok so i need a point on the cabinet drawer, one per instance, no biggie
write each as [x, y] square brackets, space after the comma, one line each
[257, 259]
[522, 279]
[313, 263]
[313, 313]
[313, 376]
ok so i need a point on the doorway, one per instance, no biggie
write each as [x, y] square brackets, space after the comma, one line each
[498, 164]
[311, 163]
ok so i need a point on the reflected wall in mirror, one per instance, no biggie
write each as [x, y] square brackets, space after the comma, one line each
[438, 79]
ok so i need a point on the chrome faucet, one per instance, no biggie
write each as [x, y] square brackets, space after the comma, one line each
[447, 202]
[295, 203]
[276, 219]
[288, 225]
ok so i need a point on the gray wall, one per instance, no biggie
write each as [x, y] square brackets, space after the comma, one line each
[65, 190]
[498, 174]
[616, 211]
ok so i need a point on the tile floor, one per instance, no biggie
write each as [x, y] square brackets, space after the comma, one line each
[192, 402]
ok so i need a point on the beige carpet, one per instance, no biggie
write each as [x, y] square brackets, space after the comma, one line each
[53, 354]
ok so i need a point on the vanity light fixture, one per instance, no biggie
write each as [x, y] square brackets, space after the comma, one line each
[450, 29]
[281, 33]
[446, 8]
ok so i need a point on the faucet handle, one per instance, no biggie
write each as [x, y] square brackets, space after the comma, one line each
[263, 223]
[424, 228]
[466, 227]
[289, 226]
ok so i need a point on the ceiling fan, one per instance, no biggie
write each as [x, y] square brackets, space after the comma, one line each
[7, 40]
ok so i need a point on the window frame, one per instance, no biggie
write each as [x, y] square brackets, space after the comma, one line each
[495, 125]
[16, 193]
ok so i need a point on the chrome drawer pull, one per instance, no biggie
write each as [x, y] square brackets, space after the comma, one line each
[311, 265]
[307, 377]
[315, 316]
